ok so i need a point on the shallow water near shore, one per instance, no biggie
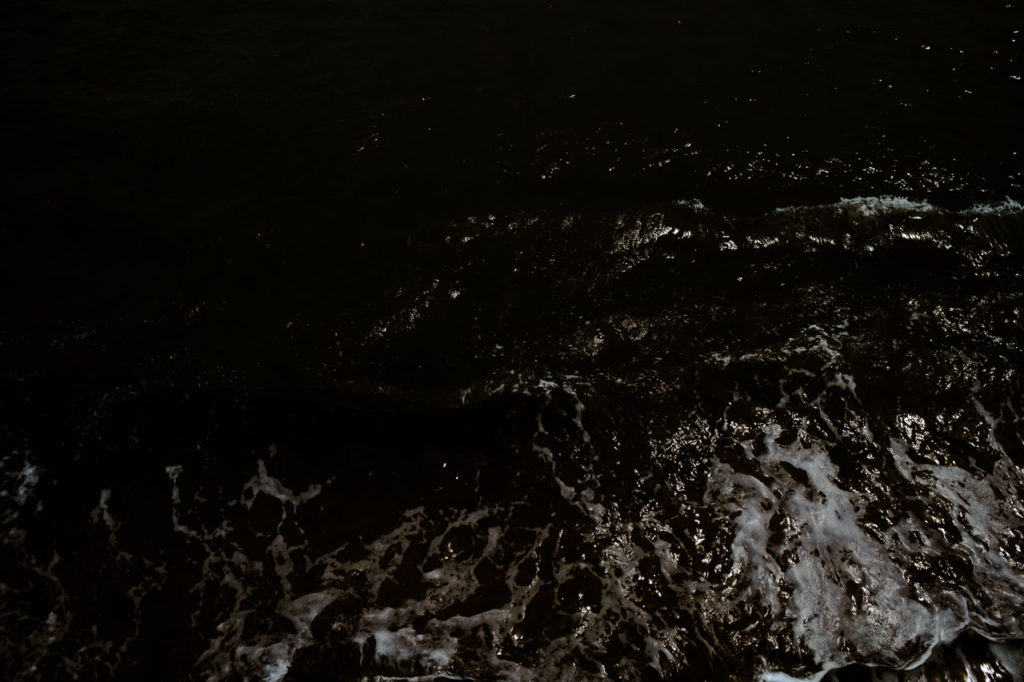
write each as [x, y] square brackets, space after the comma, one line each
[397, 341]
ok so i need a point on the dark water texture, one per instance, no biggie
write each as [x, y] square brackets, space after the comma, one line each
[518, 341]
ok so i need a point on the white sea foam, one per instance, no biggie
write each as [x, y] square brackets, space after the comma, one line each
[1006, 206]
[754, 505]
[304, 610]
[402, 645]
[873, 206]
[266, 484]
[799, 557]
[834, 552]
[695, 204]
[985, 507]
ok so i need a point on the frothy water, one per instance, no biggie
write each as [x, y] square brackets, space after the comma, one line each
[665, 470]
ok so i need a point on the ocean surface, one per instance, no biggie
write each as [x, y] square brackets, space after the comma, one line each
[445, 340]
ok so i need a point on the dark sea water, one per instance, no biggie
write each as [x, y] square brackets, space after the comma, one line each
[412, 340]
